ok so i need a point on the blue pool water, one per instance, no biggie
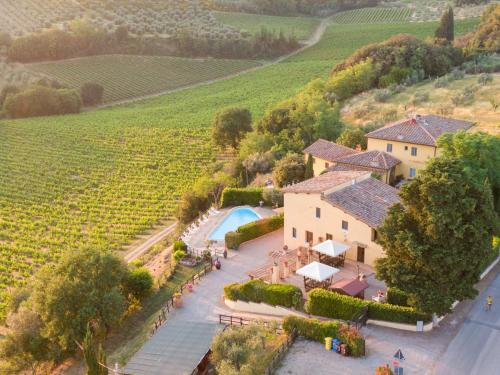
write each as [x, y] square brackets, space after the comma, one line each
[236, 218]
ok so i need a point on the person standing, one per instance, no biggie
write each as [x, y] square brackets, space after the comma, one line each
[489, 303]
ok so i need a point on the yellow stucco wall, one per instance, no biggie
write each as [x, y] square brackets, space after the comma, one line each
[319, 165]
[407, 160]
[300, 213]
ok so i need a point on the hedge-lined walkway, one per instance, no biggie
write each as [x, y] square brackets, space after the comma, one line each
[205, 303]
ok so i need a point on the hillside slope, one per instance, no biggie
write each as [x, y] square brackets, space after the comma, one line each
[425, 98]
[100, 178]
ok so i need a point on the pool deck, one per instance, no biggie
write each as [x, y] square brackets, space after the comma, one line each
[199, 238]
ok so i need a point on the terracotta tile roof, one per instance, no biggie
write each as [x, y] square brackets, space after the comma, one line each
[351, 287]
[327, 150]
[323, 182]
[367, 200]
[422, 130]
[370, 160]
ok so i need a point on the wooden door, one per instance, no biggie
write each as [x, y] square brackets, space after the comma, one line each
[361, 254]
[309, 237]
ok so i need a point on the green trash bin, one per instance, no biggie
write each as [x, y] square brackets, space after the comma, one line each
[328, 343]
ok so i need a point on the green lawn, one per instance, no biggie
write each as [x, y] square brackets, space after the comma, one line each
[101, 178]
[301, 27]
[125, 76]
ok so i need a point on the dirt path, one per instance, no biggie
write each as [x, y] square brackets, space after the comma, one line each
[313, 40]
[149, 242]
[157, 237]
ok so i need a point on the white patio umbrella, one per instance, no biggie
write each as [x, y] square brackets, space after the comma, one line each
[317, 271]
[331, 248]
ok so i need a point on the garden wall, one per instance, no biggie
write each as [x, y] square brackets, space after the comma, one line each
[261, 308]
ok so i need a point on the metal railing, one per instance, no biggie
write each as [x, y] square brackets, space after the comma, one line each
[360, 320]
[170, 303]
[230, 320]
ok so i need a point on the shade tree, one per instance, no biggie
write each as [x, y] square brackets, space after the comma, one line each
[436, 239]
[230, 126]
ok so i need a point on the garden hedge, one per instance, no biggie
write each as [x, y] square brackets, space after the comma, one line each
[337, 306]
[316, 330]
[397, 314]
[321, 302]
[253, 230]
[258, 291]
[238, 197]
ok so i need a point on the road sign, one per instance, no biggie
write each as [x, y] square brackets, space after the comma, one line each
[399, 355]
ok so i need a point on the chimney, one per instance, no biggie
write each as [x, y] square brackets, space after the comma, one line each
[358, 148]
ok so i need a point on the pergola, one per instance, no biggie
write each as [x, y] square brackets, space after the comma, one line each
[331, 252]
[317, 275]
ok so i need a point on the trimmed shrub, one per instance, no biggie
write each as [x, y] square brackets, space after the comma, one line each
[258, 291]
[180, 245]
[253, 230]
[239, 197]
[397, 297]
[337, 306]
[333, 305]
[397, 314]
[233, 240]
[316, 330]
[179, 255]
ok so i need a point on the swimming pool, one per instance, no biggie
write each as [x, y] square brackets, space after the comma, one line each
[236, 218]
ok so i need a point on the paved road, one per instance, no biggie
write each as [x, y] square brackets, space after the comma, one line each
[151, 241]
[476, 348]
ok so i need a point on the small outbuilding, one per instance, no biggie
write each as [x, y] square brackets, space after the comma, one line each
[354, 287]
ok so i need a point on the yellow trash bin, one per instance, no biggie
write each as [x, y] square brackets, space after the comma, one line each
[328, 343]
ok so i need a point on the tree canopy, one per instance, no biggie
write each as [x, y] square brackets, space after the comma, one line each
[299, 121]
[352, 137]
[47, 322]
[230, 126]
[290, 169]
[480, 151]
[446, 28]
[437, 238]
[486, 38]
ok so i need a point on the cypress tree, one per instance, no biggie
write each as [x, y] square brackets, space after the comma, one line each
[94, 354]
[101, 355]
[309, 168]
[90, 352]
[446, 29]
